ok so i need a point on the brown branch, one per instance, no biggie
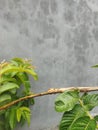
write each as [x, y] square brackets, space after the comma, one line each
[50, 91]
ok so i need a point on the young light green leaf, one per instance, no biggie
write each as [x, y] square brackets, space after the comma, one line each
[7, 87]
[18, 114]
[9, 83]
[27, 116]
[17, 61]
[21, 112]
[70, 117]
[25, 109]
[66, 101]
[22, 62]
[32, 72]
[11, 69]
[84, 123]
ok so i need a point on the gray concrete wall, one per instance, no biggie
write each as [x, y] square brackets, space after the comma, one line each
[61, 37]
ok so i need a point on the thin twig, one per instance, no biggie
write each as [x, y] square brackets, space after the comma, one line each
[50, 91]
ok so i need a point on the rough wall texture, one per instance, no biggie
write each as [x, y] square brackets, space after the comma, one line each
[61, 37]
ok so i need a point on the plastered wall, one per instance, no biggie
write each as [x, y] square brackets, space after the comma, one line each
[61, 38]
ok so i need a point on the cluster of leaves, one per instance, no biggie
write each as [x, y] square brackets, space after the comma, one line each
[76, 109]
[14, 84]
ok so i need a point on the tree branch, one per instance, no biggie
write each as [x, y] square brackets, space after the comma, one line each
[50, 91]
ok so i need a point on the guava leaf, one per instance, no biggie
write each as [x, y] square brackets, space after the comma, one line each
[95, 66]
[12, 118]
[66, 101]
[84, 123]
[96, 117]
[4, 98]
[23, 112]
[25, 81]
[70, 117]
[7, 87]
[90, 101]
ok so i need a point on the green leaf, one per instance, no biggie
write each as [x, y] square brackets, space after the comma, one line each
[10, 69]
[4, 79]
[90, 101]
[66, 101]
[2, 112]
[32, 72]
[6, 117]
[31, 101]
[13, 91]
[12, 118]
[95, 66]
[19, 65]
[19, 114]
[25, 109]
[25, 80]
[7, 87]
[23, 76]
[84, 123]
[70, 117]
[27, 86]
[17, 61]
[28, 102]
[9, 83]
[4, 98]
[96, 117]
[2, 125]
[23, 112]
[27, 116]
[83, 95]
